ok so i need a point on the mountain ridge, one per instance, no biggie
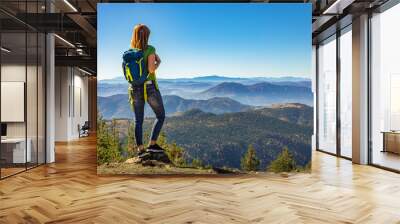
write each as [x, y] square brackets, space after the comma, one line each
[221, 140]
[117, 106]
[263, 93]
[209, 78]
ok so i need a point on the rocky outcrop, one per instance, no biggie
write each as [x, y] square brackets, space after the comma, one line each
[151, 159]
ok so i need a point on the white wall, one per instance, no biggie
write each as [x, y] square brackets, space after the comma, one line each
[80, 110]
[71, 102]
[62, 82]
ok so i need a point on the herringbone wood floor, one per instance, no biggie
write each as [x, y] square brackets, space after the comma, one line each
[69, 191]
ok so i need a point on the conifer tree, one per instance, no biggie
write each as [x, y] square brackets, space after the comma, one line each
[283, 163]
[249, 161]
[106, 150]
[176, 154]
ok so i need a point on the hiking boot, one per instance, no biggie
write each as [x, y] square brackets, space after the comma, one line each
[145, 156]
[141, 152]
[155, 149]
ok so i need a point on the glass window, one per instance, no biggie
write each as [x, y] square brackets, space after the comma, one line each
[14, 153]
[346, 93]
[22, 92]
[327, 95]
[385, 89]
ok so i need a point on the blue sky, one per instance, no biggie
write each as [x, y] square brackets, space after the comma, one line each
[236, 40]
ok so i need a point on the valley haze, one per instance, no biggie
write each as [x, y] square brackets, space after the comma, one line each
[214, 94]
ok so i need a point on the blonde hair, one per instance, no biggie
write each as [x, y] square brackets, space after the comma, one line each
[140, 37]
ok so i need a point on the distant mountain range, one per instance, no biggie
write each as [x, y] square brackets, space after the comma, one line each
[191, 88]
[215, 118]
[221, 140]
[295, 113]
[109, 89]
[117, 106]
[263, 93]
[217, 78]
[224, 97]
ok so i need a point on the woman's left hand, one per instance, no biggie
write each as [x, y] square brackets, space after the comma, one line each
[158, 60]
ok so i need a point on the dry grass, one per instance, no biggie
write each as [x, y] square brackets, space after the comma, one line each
[132, 168]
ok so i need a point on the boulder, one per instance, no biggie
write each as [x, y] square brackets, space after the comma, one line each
[151, 159]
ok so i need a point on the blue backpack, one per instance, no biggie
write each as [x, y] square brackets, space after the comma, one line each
[134, 68]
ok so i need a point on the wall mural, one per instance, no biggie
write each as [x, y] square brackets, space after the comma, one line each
[204, 88]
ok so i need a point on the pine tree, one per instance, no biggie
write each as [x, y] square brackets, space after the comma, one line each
[175, 154]
[249, 161]
[115, 142]
[114, 132]
[106, 150]
[283, 163]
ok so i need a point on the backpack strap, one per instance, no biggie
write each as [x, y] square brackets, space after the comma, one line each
[145, 92]
[131, 99]
[139, 62]
[127, 72]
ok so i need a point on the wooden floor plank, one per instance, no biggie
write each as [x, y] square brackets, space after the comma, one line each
[69, 191]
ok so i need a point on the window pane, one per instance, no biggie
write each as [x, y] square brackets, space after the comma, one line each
[327, 96]
[23, 78]
[346, 94]
[385, 94]
[13, 86]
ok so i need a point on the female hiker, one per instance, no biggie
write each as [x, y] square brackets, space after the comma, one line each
[139, 65]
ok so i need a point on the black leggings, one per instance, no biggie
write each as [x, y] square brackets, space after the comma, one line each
[154, 99]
